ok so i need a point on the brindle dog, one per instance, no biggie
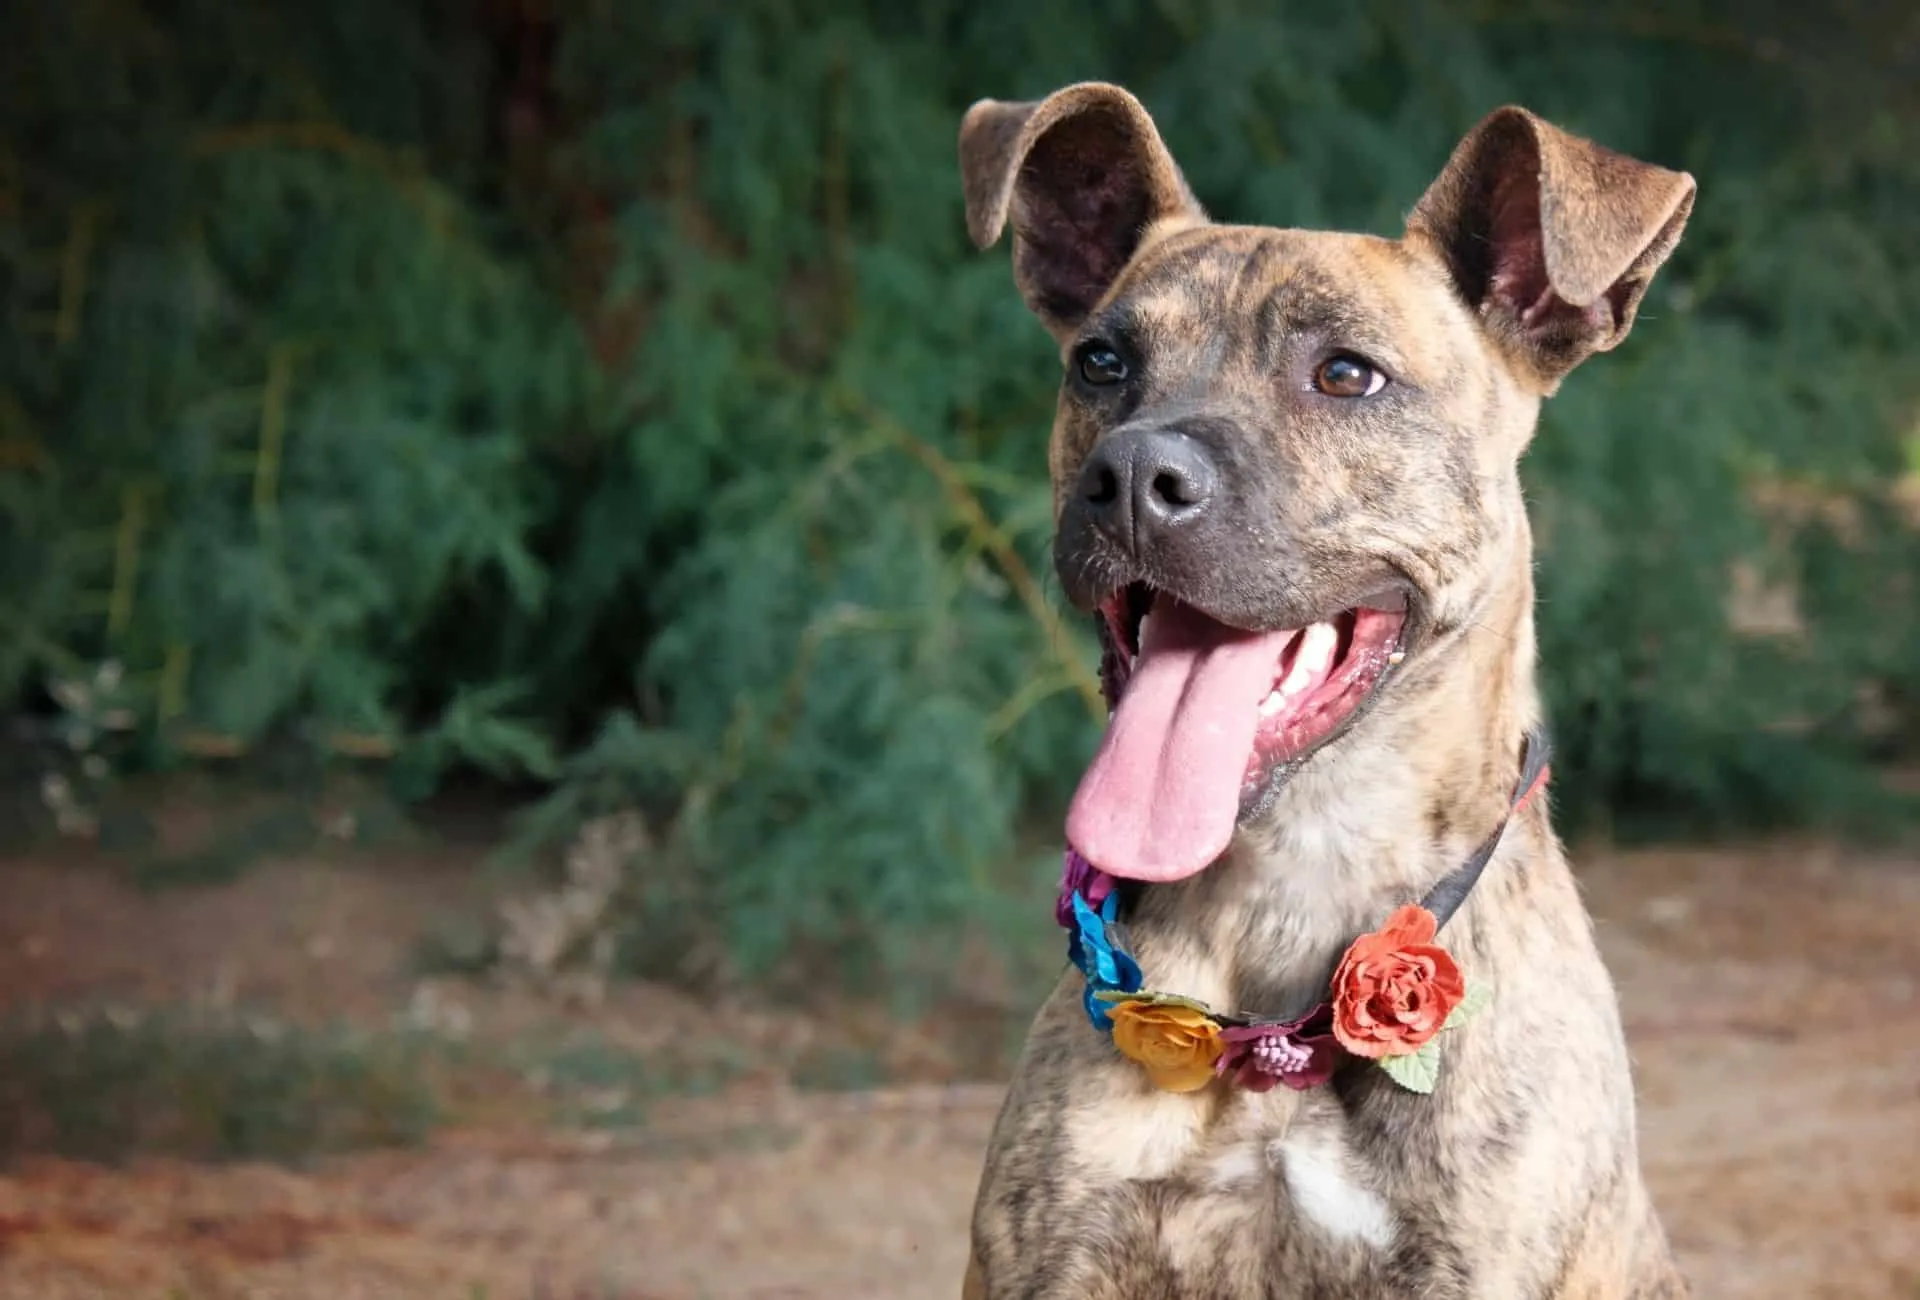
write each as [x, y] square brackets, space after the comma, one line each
[1306, 443]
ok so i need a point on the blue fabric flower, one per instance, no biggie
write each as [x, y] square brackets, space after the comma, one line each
[1090, 948]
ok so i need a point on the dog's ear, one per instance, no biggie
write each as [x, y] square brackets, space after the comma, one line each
[1553, 239]
[1083, 174]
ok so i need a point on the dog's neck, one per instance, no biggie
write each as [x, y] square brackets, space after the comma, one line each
[1371, 823]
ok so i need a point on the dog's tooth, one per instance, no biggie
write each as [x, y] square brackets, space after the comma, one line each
[1319, 645]
[1140, 633]
[1312, 659]
[1274, 702]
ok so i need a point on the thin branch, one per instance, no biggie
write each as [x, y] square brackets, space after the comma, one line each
[993, 539]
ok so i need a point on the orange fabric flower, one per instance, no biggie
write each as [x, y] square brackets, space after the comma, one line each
[1176, 1044]
[1395, 988]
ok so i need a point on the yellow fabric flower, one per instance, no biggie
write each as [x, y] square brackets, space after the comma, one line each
[1176, 1045]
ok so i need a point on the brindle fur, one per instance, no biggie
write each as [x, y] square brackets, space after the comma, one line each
[1519, 1176]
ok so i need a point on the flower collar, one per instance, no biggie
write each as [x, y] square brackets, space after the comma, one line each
[1393, 993]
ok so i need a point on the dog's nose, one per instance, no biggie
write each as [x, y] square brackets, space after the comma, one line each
[1138, 484]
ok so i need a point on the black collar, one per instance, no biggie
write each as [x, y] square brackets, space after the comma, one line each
[1445, 898]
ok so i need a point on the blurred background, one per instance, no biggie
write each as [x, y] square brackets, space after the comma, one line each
[537, 712]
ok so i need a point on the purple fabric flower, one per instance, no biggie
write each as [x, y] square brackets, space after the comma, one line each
[1079, 876]
[1301, 1054]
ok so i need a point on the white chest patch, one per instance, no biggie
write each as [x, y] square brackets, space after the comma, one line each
[1327, 1192]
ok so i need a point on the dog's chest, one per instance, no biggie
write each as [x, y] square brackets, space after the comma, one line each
[1230, 1196]
[1249, 1202]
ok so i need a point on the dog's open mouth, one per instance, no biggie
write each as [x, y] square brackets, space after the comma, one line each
[1205, 716]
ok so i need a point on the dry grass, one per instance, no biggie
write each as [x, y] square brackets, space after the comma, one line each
[1769, 994]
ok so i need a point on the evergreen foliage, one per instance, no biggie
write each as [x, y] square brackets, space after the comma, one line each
[609, 397]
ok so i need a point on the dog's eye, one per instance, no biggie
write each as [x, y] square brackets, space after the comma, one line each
[1101, 366]
[1345, 375]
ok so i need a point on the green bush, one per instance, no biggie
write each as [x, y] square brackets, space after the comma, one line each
[613, 401]
[113, 1085]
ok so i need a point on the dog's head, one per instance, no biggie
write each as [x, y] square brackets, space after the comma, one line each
[1285, 460]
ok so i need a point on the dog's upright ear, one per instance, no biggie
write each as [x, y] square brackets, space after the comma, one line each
[1552, 238]
[1084, 175]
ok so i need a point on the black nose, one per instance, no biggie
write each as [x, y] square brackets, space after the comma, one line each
[1139, 484]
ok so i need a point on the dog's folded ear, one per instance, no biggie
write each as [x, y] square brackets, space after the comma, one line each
[1083, 175]
[1552, 238]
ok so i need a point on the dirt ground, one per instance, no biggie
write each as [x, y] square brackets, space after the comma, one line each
[1772, 998]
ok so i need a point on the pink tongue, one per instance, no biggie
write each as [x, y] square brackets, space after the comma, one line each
[1160, 800]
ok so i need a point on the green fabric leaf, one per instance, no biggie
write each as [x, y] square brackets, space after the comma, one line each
[1155, 999]
[1478, 995]
[1415, 1071]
